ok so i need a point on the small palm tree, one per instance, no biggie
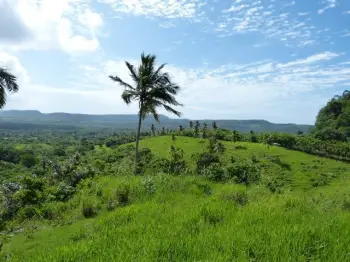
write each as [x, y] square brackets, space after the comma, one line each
[8, 83]
[152, 89]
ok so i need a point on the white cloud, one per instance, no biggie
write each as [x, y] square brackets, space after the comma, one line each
[266, 19]
[156, 8]
[329, 4]
[69, 25]
[12, 63]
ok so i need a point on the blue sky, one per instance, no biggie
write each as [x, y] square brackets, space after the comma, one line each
[277, 60]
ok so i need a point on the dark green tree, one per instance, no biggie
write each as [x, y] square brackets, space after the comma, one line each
[8, 84]
[215, 126]
[204, 130]
[152, 89]
[196, 129]
[333, 120]
[190, 125]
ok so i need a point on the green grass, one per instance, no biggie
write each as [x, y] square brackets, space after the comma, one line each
[188, 218]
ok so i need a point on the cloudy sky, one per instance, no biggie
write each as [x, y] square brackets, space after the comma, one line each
[278, 60]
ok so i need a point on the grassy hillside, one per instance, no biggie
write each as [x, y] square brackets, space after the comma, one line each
[159, 217]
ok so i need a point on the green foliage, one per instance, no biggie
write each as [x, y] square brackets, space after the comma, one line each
[89, 209]
[333, 120]
[214, 172]
[204, 160]
[28, 160]
[243, 172]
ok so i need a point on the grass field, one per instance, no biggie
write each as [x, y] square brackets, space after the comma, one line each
[188, 218]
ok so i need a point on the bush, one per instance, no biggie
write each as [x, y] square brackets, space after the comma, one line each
[28, 160]
[59, 152]
[243, 172]
[111, 204]
[123, 195]
[214, 172]
[61, 192]
[149, 185]
[239, 197]
[211, 216]
[205, 160]
[240, 147]
[29, 212]
[90, 209]
[319, 180]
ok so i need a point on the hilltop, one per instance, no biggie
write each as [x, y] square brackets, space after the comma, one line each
[31, 119]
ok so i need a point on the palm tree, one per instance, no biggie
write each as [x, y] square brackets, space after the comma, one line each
[152, 89]
[8, 83]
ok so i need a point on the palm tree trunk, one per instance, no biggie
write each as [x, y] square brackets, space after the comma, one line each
[137, 143]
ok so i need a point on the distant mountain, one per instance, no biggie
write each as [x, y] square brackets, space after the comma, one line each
[29, 119]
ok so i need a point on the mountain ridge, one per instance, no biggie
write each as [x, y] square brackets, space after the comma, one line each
[128, 121]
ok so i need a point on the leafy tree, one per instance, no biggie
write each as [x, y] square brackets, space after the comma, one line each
[215, 126]
[173, 137]
[8, 83]
[190, 125]
[333, 120]
[28, 160]
[235, 136]
[204, 130]
[163, 131]
[253, 137]
[152, 89]
[196, 129]
[181, 128]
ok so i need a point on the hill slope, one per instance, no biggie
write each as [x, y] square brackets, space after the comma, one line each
[189, 218]
[7, 118]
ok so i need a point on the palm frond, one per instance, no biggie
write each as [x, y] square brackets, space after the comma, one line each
[121, 82]
[129, 95]
[172, 110]
[133, 73]
[157, 72]
[2, 96]
[8, 80]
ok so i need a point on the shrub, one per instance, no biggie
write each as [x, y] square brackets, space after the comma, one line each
[205, 160]
[346, 205]
[214, 172]
[205, 188]
[28, 160]
[210, 216]
[149, 185]
[240, 147]
[90, 209]
[59, 151]
[111, 204]
[123, 195]
[320, 180]
[243, 172]
[239, 197]
[61, 192]
[29, 212]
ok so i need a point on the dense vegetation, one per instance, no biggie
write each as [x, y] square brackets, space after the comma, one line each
[333, 120]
